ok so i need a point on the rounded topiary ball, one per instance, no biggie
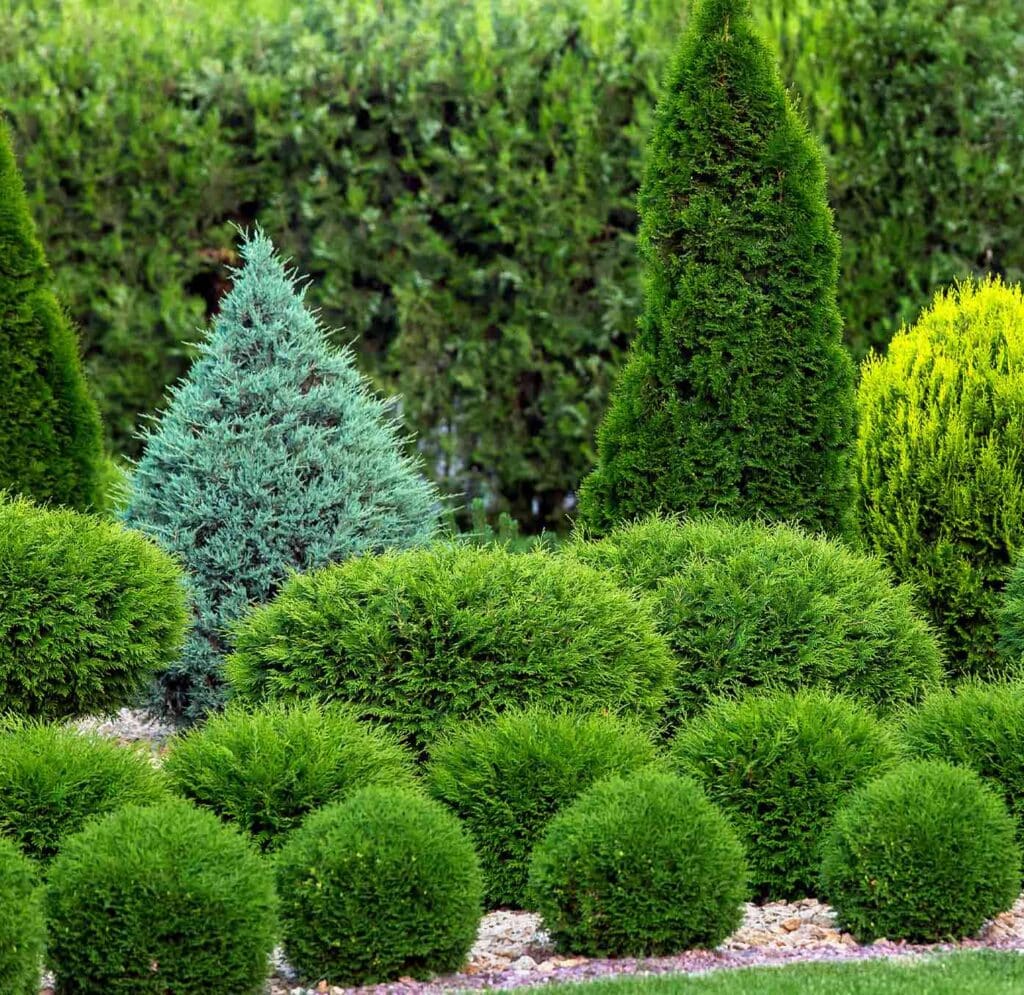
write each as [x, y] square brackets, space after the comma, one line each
[925, 853]
[22, 924]
[746, 605]
[266, 770]
[976, 725]
[639, 865]
[779, 765]
[380, 886]
[505, 778]
[161, 899]
[941, 466]
[90, 611]
[419, 638]
[52, 779]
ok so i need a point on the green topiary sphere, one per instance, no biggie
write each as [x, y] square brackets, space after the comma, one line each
[90, 610]
[505, 779]
[266, 770]
[744, 605]
[162, 899]
[941, 464]
[22, 924]
[639, 865]
[380, 886]
[420, 638]
[976, 725]
[925, 853]
[779, 766]
[53, 779]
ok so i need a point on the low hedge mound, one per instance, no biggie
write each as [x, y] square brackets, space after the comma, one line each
[54, 779]
[378, 887]
[745, 605]
[423, 637]
[505, 779]
[22, 924]
[925, 853]
[637, 866]
[161, 899]
[265, 771]
[91, 610]
[779, 766]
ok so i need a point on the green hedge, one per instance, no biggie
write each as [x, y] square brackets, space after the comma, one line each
[458, 178]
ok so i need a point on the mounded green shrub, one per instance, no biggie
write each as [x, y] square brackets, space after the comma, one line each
[272, 456]
[266, 770]
[779, 766]
[639, 865]
[507, 777]
[975, 725]
[53, 779]
[90, 611]
[925, 853]
[378, 887]
[49, 424]
[422, 638]
[160, 899]
[738, 392]
[747, 605]
[941, 465]
[22, 925]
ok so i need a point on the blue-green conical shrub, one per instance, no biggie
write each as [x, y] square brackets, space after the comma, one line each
[273, 455]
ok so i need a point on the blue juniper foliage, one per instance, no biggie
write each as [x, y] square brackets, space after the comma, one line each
[273, 455]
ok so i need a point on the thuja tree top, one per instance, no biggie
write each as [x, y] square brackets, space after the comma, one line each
[737, 395]
[50, 440]
[273, 455]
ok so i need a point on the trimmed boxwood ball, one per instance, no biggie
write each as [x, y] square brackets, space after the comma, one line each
[925, 853]
[22, 923]
[159, 899]
[976, 725]
[639, 865]
[779, 766]
[744, 604]
[266, 770]
[420, 638]
[383, 885]
[506, 778]
[90, 610]
[53, 779]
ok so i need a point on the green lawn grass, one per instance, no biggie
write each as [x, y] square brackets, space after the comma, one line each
[982, 973]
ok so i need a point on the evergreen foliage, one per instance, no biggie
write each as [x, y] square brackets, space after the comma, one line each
[978, 726]
[941, 466]
[778, 766]
[22, 924]
[505, 779]
[422, 638]
[266, 770]
[53, 779]
[748, 605]
[378, 887]
[925, 853]
[89, 611]
[151, 900]
[636, 866]
[738, 393]
[49, 425]
[273, 455]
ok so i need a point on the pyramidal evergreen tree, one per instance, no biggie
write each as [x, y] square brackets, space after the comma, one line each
[737, 395]
[273, 455]
[50, 438]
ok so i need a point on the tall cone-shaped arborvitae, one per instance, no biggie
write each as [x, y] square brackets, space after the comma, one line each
[272, 456]
[738, 393]
[50, 441]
